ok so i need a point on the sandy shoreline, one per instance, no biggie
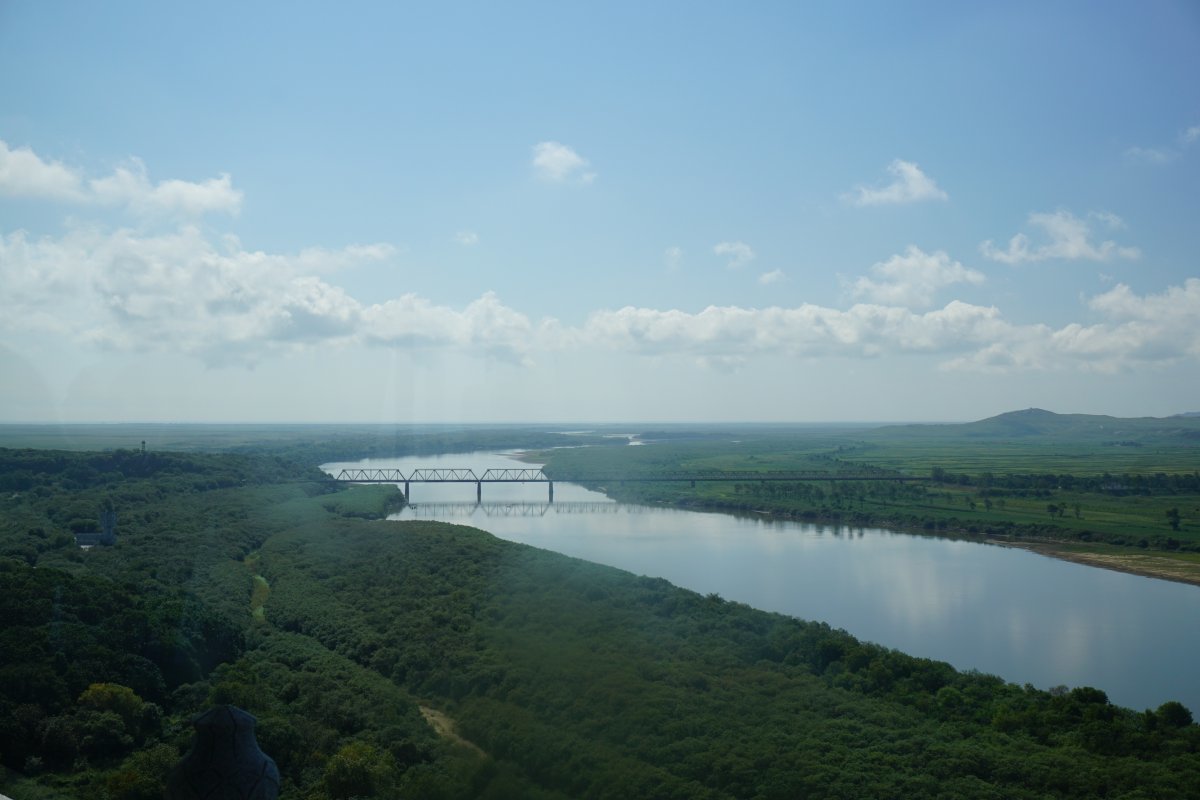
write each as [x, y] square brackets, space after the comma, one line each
[1147, 566]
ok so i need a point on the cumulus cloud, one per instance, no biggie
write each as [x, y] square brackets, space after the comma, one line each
[913, 278]
[25, 174]
[178, 292]
[131, 187]
[191, 293]
[467, 238]
[774, 276]
[556, 162]
[485, 324]
[322, 260]
[739, 253]
[1067, 238]
[807, 330]
[911, 185]
[1134, 330]
[181, 293]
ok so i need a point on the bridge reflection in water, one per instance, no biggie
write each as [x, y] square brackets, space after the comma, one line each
[535, 475]
[520, 509]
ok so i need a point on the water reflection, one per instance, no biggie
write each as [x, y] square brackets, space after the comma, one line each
[519, 508]
[1006, 611]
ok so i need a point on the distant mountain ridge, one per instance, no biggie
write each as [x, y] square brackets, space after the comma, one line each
[1038, 423]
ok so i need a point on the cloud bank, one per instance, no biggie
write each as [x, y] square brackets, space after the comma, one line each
[180, 292]
[24, 174]
[190, 292]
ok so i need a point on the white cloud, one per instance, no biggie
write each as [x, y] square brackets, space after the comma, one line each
[485, 324]
[179, 293]
[554, 161]
[467, 238]
[808, 330]
[911, 186]
[1151, 155]
[673, 257]
[913, 279]
[1164, 155]
[130, 186]
[1108, 218]
[1069, 238]
[739, 253]
[1148, 330]
[189, 293]
[24, 174]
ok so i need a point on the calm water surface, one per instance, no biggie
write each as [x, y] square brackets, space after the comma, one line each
[1025, 617]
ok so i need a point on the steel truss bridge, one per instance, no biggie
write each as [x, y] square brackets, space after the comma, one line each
[535, 475]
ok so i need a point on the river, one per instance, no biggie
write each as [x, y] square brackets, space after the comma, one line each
[1005, 611]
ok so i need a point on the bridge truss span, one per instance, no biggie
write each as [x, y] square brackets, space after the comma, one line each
[536, 475]
[371, 476]
[522, 475]
[444, 475]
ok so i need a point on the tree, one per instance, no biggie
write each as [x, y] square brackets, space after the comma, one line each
[358, 770]
[1174, 714]
[121, 700]
[1173, 518]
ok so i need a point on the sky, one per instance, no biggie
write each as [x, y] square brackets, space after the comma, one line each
[608, 212]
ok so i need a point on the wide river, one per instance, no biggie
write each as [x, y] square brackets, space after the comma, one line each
[1009, 612]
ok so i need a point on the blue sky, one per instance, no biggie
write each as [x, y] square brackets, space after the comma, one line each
[609, 212]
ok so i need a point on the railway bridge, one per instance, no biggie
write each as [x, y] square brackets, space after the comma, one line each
[536, 475]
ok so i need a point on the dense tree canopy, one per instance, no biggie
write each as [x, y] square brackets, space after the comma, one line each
[248, 579]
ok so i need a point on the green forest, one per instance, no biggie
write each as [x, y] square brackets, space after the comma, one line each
[428, 660]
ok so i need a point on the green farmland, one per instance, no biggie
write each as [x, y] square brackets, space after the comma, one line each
[1124, 491]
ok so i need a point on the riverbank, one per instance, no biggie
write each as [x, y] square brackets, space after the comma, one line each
[1181, 568]
[1170, 566]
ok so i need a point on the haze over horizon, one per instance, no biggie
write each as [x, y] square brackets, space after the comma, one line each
[461, 212]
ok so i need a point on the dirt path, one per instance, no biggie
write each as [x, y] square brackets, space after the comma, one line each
[258, 598]
[444, 727]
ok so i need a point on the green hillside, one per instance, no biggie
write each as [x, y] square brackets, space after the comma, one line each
[1038, 424]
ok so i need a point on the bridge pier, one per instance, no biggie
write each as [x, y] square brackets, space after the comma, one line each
[551, 491]
[407, 496]
[478, 491]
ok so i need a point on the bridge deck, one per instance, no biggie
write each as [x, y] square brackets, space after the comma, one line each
[533, 475]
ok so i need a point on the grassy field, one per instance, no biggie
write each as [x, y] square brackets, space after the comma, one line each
[1001, 457]
[1127, 493]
